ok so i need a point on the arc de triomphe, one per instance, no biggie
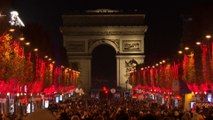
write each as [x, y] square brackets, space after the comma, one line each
[83, 32]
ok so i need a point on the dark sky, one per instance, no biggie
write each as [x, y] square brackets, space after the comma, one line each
[163, 19]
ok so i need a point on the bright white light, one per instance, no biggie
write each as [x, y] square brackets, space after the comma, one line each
[21, 38]
[180, 52]
[28, 108]
[57, 99]
[198, 43]
[208, 36]
[60, 98]
[27, 43]
[36, 49]
[15, 20]
[186, 48]
[46, 103]
[209, 97]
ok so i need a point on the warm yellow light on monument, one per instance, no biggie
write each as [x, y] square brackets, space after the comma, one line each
[53, 62]
[156, 64]
[46, 56]
[50, 59]
[160, 62]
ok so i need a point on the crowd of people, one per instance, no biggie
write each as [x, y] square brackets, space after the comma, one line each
[124, 109]
[85, 108]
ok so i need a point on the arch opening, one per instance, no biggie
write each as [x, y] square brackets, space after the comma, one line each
[103, 67]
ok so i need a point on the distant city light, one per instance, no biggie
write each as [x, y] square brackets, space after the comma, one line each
[27, 43]
[186, 48]
[21, 38]
[11, 30]
[198, 43]
[180, 52]
[36, 49]
[208, 36]
[163, 61]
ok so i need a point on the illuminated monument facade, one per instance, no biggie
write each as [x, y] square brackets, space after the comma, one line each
[83, 32]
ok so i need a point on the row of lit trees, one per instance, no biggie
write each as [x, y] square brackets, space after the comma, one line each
[21, 67]
[194, 67]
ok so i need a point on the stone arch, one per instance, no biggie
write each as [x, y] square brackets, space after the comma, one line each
[83, 33]
[102, 42]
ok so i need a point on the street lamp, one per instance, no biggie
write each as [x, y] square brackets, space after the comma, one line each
[208, 36]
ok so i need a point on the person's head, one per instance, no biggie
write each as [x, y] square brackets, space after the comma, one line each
[165, 113]
[75, 117]
[187, 115]
[176, 113]
[211, 113]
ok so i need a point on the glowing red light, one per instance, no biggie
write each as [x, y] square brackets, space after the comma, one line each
[104, 88]
[178, 97]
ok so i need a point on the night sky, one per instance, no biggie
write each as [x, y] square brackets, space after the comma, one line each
[161, 40]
